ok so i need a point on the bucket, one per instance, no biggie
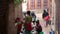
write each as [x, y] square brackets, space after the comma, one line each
[41, 33]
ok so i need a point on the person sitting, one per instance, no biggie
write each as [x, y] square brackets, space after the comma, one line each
[19, 25]
[38, 27]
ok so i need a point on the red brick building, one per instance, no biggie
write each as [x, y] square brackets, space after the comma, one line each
[37, 4]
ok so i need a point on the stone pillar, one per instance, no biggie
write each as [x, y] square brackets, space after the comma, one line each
[18, 11]
[11, 18]
[58, 15]
[3, 15]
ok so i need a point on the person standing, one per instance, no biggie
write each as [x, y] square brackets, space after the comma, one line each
[33, 16]
[45, 17]
[28, 20]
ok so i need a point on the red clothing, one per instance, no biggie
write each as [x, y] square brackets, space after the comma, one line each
[28, 26]
[47, 18]
[39, 28]
[17, 20]
[19, 27]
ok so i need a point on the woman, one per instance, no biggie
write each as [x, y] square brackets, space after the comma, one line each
[33, 17]
[19, 25]
[45, 17]
[38, 27]
[34, 27]
[28, 20]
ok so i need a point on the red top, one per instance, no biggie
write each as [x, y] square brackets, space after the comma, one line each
[19, 27]
[28, 26]
[47, 18]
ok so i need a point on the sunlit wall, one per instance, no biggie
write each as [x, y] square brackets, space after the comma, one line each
[24, 6]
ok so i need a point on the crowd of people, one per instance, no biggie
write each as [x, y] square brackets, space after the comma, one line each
[29, 24]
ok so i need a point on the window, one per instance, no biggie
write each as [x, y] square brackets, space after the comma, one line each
[38, 1]
[38, 6]
[50, 0]
[45, 1]
[45, 4]
[32, 1]
[32, 7]
[45, 7]
[32, 4]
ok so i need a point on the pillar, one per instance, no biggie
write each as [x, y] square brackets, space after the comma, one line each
[57, 15]
[11, 18]
[3, 15]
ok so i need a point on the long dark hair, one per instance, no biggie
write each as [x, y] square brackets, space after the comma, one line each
[44, 14]
[44, 11]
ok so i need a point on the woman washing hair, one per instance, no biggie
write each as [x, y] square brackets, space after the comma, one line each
[38, 27]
